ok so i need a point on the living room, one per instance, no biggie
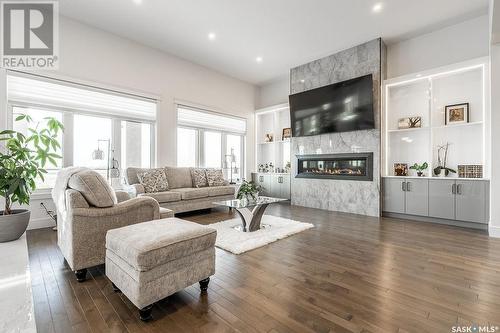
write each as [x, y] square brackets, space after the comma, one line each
[270, 166]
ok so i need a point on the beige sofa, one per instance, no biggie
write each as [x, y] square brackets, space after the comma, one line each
[181, 196]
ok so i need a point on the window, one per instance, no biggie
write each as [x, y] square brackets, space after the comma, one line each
[187, 146]
[210, 140]
[103, 128]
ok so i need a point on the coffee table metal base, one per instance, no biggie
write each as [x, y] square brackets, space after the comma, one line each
[250, 219]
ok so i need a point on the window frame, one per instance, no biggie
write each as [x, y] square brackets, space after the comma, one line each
[199, 149]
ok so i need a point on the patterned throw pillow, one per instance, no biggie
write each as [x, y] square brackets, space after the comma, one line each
[199, 177]
[154, 181]
[215, 177]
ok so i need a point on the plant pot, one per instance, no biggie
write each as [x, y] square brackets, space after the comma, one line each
[14, 225]
[420, 174]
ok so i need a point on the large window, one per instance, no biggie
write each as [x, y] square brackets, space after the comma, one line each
[211, 140]
[103, 129]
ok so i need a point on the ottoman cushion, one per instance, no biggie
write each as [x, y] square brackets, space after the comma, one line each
[150, 244]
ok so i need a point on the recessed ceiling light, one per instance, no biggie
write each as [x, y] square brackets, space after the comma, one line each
[259, 59]
[377, 8]
[212, 36]
[137, 2]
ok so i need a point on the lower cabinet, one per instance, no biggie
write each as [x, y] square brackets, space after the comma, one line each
[442, 198]
[273, 185]
[451, 199]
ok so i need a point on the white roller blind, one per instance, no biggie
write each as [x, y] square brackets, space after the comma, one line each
[51, 93]
[203, 119]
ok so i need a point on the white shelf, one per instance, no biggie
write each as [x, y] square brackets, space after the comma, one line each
[459, 125]
[278, 141]
[409, 129]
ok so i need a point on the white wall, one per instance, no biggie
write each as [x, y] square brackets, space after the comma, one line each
[89, 54]
[494, 229]
[274, 92]
[456, 43]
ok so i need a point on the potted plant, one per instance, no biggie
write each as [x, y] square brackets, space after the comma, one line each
[249, 190]
[22, 160]
[420, 168]
[442, 161]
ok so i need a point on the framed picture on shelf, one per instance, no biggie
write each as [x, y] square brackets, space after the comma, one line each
[456, 114]
[410, 122]
[401, 169]
[269, 137]
[287, 134]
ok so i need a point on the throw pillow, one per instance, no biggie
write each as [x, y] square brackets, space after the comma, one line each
[94, 188]
[199, 177]
[154, 181]
[215, 177]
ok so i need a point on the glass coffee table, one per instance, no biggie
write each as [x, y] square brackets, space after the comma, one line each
[250, 211]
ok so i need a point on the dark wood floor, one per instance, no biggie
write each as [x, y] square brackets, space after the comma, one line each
[348, 274]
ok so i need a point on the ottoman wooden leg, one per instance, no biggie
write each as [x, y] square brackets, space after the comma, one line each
[145, 313]
[115, 288]
[204, 284]
[81, 275]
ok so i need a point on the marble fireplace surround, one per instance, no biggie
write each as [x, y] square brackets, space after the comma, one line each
[358, 197]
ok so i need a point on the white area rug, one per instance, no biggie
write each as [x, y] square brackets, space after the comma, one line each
[238, 242]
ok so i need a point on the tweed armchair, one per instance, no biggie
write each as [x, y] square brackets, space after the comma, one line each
[82, 225]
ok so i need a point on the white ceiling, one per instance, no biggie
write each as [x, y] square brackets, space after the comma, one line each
[285, 33]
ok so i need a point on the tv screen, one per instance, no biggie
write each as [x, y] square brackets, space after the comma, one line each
[339, 107]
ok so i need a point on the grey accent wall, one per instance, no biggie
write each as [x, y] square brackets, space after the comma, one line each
[359, 197]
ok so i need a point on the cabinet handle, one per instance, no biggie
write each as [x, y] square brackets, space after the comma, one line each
[261, 179]
[453, 189]
[408, 187]
[403, 186]
[459, 189]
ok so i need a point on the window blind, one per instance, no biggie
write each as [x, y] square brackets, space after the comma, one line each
[191, 117]
[51, 93]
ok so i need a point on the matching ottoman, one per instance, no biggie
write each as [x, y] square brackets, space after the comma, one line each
[152, 260]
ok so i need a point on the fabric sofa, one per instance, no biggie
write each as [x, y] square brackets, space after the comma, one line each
[182, 196]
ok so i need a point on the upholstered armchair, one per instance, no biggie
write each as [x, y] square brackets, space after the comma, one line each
[89, 210]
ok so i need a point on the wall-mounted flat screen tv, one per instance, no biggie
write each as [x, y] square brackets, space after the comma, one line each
[340, 107]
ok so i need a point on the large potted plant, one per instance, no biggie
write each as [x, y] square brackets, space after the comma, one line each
[22, 160]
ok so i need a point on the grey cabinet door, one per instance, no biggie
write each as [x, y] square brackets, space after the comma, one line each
[285, 186]
[441, 198]
[275, 186]
[417, 197]
[471, 201]
[394, 196]
[264, 181]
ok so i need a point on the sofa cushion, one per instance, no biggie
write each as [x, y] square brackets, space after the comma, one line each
[215, 177]
[153, 180]
[199, 177]
[162, 197]
[220, 190]
[150, 244]
[192, 193]
[179, 177]
[94, 188]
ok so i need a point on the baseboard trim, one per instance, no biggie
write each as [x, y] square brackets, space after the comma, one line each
[494, 231]
[44, 222]
[462, 224]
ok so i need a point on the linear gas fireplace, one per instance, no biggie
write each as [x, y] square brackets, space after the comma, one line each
[355, 166]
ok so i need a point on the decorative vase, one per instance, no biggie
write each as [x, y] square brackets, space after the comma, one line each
[14, 225]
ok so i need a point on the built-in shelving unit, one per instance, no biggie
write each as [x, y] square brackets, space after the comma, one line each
[426, 95]
[272, 121]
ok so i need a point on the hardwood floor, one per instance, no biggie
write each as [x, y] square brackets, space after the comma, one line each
[348, 274]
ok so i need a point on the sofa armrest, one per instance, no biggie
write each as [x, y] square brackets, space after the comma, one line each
[122, 196]
[124, 208]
